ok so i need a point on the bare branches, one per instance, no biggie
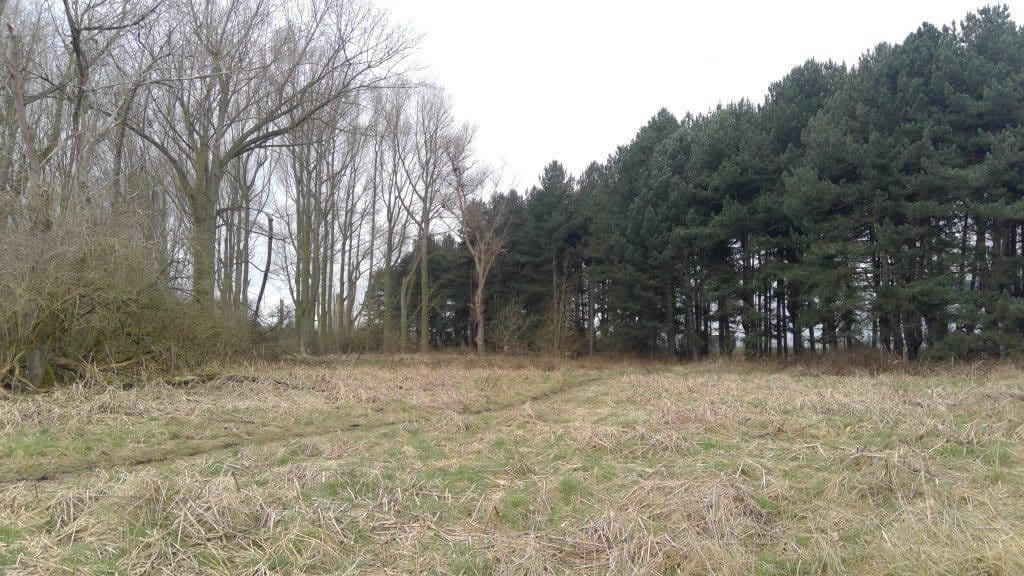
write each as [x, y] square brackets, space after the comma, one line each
[245, 78]
[195, 119]
[482, 225]
[36, 192]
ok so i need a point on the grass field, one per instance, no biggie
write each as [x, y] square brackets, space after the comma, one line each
[450, 465]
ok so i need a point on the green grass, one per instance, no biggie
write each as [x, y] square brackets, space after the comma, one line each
[572, 489]
[10, 548]
[516, 507]
[465, 561]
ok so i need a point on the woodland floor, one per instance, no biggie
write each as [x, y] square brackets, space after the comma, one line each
[454, 465]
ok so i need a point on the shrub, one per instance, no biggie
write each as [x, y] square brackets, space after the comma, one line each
[81, 295]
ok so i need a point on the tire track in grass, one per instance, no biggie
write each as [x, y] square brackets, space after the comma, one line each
[278, 436]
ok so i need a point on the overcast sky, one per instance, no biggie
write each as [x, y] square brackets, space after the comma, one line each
[572, 80]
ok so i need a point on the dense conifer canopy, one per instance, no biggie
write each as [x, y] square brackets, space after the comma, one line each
[878, 205]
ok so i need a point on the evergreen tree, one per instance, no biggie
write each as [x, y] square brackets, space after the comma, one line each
[880, 206]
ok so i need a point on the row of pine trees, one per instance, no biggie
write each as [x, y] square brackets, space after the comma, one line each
[880, 206]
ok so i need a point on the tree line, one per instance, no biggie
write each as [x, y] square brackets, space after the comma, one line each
[167, 165]
[879, 205]
[161, 159]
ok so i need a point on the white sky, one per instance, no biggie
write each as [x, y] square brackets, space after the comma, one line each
[573, 79]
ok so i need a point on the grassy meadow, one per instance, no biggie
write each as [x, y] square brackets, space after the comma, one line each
[460, 466]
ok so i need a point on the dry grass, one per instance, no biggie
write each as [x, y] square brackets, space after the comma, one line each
[463, 466]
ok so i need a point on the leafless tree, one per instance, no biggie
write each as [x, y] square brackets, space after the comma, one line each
[239, 137]
[58, 62]
[392, 189]
[482, 225]
[94, 30]
[509, 325]
[424, 138]
[245, 74]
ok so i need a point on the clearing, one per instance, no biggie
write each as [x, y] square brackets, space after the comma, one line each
[454, 465]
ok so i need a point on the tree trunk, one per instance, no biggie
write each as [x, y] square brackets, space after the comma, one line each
[37, 194]
[117, 184]
[203, 253]
[423, 330]
[352, 281]
[691, 324]
[266, 269]
[590, 317]
[388, 295]
[478, 313]
[556, 311]
[748, 316]
[403, 332]
[403, 336]
[724, 346]
[980, 268]
[35, 366]
[670, 316]
[780, 324]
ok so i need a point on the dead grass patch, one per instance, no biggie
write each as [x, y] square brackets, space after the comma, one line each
[527, 466]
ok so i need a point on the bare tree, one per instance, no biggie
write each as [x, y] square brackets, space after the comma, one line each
[312, 177]
[244, 75]
[426, 136]
[174, 124]
[355, 206]
[95, 27]
[244, 199]
[393, 190]
[510, 325]
[266, 269]
[35, 194]
[482, 225]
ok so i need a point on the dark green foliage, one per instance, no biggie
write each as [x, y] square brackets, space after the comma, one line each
[879, 206]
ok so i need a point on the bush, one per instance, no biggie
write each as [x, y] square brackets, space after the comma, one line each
[80, 295]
